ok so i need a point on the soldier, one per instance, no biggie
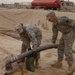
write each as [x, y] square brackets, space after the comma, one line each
[67, 27]
[30, 35]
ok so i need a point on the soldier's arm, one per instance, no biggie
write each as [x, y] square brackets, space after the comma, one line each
[72, 23]
[33, 39]
[22, 38]
[55, 33]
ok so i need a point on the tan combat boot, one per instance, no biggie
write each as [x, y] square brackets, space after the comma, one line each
[57, 64]
[71, 70]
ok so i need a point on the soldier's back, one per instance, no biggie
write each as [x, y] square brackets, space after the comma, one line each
[33, 29]
[63, 24]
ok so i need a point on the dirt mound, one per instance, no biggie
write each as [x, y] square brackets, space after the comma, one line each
[9, 45]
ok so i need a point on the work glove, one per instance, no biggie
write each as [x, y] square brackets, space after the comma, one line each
[33, 54]
[29, 49]
[53, 41]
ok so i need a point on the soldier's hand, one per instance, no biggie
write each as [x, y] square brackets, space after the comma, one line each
[29, 49]
[53, 41]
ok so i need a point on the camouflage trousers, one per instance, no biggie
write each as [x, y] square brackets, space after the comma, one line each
[27, 45]
[65, 47]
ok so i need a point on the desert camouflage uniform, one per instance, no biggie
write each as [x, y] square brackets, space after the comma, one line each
[32, 36]
[67, 28]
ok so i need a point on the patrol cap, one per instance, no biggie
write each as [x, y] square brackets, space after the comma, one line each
[19, 28]
[49, 14]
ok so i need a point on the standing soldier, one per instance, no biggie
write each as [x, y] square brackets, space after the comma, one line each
[29, 34]
[67, 27]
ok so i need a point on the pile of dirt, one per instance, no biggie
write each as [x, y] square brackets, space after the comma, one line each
[9, 45]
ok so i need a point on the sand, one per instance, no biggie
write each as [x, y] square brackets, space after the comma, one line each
[9, 45]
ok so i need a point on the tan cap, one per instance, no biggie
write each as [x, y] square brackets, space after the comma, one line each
[49, 14]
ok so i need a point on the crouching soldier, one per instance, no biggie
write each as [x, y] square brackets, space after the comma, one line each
[67, 27]
[30, 35]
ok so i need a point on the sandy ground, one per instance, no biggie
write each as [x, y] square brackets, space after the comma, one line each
[9, 45]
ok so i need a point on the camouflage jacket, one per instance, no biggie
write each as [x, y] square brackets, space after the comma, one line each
[31, 33]
[62, 24]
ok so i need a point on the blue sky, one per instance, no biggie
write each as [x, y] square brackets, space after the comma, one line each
[12, 1]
